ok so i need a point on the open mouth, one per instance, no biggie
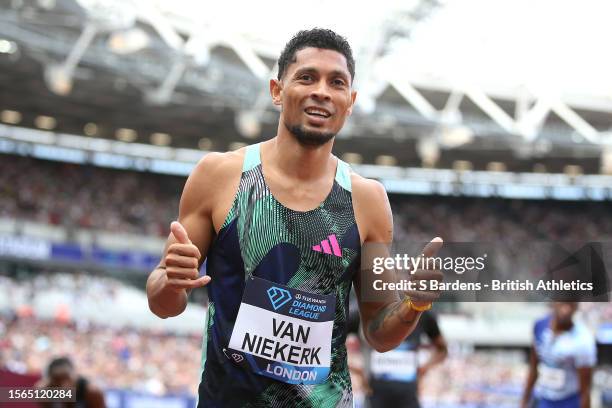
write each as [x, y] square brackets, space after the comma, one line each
[317, 112]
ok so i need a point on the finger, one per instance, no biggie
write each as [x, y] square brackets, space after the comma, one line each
[432, 248]
[203, 281]
[427, 274]
[182, 273]
[174, 259]
[185, 250]
[179, 232]
[189, 284]
[422, 296]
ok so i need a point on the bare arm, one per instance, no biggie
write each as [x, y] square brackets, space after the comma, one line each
[178, 271]
[585, 376]
[532, 376]
[439, 355]
[386, 318]
[95, 398]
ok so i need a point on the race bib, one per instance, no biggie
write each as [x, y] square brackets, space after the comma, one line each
[283, 333]
[399, 365]
[550, 377]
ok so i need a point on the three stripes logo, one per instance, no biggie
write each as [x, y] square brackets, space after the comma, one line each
[329, 246]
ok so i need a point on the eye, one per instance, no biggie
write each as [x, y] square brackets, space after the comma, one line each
[339, 82]
[305, 77]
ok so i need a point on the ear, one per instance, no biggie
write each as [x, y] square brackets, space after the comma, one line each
[275, 91]
[353, 99]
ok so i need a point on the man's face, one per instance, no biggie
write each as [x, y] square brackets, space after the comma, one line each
[564, 312]
[315, 95]
[62, 376]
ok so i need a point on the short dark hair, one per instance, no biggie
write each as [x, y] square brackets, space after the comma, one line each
[59, 362]
[317, 38]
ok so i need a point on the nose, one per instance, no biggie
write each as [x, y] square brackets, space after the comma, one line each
[320, 91]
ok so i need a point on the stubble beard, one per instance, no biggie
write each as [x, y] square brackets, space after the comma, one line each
[309, 138]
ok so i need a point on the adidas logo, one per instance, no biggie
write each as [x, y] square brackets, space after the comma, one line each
[329, 246]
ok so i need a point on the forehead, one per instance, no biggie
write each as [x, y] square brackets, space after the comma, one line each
[60, 372]
[559, 305]
[320, 59]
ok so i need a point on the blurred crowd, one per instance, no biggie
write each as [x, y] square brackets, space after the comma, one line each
[164, 362]
[476, 378]
[489, 219]
[140, 360]
[76, 196]
[75, 289]
[126, 201]
[147, 360]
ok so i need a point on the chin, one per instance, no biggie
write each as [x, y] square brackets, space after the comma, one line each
[307, 136]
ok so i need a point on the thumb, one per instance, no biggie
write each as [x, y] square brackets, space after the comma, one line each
[432, 248]
[179, 232]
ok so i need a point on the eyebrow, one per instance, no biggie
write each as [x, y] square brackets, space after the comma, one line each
[335, 72]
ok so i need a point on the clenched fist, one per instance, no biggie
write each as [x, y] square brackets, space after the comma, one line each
[182, 262]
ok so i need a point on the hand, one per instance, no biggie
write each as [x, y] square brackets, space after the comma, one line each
[422, 370]
[182, 262]
[419, 297]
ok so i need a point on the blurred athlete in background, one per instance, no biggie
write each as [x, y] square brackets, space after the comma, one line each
[395, 374]
[561, 363]
[62, 374]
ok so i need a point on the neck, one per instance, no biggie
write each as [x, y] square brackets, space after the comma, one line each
[297, 161]
[558, 326]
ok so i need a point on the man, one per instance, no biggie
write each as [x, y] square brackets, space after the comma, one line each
[561, 362]
[61, 374]
[395, 374]
[281, 224]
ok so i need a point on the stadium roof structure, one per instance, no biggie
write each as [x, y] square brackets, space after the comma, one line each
[516, 82]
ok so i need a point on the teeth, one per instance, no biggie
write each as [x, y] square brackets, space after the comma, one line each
[317, 112]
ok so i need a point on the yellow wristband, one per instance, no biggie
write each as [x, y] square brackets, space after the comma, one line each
[415, 307]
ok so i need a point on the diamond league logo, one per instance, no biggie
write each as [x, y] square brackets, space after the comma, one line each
[278, 296]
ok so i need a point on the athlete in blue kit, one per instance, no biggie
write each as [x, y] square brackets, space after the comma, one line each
[561, 363]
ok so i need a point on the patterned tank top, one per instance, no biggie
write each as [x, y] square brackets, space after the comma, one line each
[316, 251]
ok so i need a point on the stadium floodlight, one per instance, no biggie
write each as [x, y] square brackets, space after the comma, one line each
[161, 139]
[205, 144]
[248, 124]
[428, 150]
[462, 165]
[236, 145]
[90, 129]
[496, 166]
[128, 41]
[10, 116]
[126, 135]
[606, 160]
[352, 158]
[386, 160]
[7, 47]
[455, 136]
[58, 79]
[45, 122]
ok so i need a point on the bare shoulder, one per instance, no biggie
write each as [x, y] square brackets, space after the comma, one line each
[372, 209]
[215, 170]
[215, 164]
[370, 191]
